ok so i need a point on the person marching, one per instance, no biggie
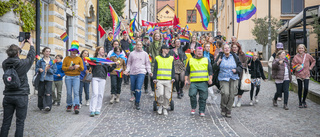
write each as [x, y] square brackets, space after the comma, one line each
[57, 83]
[154, 49]
[279, 47]
[199, 71]
[116, 76]
[306, 62]
[84, 85]
[163, 75]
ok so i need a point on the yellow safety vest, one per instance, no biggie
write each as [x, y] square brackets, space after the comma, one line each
[164, 67]
[198, 70]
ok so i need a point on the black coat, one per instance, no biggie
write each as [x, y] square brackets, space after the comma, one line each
[107, 45]
[256, 69]
[22, 67]
[101, 71]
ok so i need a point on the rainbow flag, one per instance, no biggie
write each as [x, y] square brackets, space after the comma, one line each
[98, 61]
[150, 59]
[288, 57]
[115, 22]
[178, 26]
[38, 57]
[244, 9]
[184, 38]
[52, 62]
[203, 7]
[64, 37]
[150, 29]
[163, 31]
[249, 54]
[119, 72]
[132, 24]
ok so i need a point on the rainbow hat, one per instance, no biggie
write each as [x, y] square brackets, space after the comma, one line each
[74, 46]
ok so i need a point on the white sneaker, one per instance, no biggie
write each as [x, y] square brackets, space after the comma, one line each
[165, 112]
[87, 102]
[256, 99]
[279, 99]
[251, 103]
[151, 94]
[234, 104]
[80, 105]
[239, 104]
[160, 110]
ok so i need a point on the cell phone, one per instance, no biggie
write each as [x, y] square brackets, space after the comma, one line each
[27, 35]
[73, 64]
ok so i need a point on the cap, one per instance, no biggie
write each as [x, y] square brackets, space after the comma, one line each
[146, 36]
[279, 45]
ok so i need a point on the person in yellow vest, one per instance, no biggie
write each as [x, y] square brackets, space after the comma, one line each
[163, 75]
[199, 70]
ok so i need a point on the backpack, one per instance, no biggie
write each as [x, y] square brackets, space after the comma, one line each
[11, 78]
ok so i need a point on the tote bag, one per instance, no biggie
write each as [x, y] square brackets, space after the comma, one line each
[246, 80]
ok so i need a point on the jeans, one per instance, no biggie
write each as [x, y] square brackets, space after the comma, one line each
[45, 94]
[252, 89]
[85, 86]
[56, 96]
[136, 84]
[11, 104]
[282, 87]
[115, 84]
[98, 85]
[305, 90]
[73, 85]
[202, 88]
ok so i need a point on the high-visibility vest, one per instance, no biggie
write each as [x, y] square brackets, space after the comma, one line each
[199, 70]
[164, 67]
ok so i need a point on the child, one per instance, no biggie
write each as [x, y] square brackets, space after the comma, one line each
[256, 71]
[57, 83]
[116, 76]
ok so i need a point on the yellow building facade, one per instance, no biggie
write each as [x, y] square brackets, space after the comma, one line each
[185, 8]
[165, 14]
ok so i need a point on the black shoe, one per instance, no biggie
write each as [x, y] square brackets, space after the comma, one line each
[179, 95]
[137, 106]
[300, 105]
[285, 107]
[146, 91]
[54, 102]
[275, 103]
[304, 104]
[58, 103]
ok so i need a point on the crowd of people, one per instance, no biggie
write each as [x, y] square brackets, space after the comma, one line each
[163, 57]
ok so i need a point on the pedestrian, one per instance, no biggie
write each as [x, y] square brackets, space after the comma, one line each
[282, 76]
[210, 57]
[193, 44]
[229, 67]
[114, 44]
[107, 43]
[199, 71]
[166, 39]
[116, 74]
[16, 100]
[99, 76]
[212, 46]
[137, 66]
[304, 63]
[84, 85]
[46, 69]
[72, 66]
[256, 71]
[237, 50]
[163, 75]
[218, 49]
[146, 44]
[154, 49]
[57, 82]
[279, 47]
[179, 66]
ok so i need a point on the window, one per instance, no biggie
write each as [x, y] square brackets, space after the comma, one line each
[191, 16]
[44, 24]
[292, 6]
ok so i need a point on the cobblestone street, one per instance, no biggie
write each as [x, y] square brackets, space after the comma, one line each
[121, 119]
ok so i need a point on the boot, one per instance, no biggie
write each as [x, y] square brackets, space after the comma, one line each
[118, 98]
[275, 103]
[137, 106]
[112, 98]
[285, 107]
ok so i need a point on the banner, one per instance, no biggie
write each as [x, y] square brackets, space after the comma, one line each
[166, 23]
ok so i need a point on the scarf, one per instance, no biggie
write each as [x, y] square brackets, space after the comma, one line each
[119, 56]
[156, 43]
[206, 55]
[110, 39]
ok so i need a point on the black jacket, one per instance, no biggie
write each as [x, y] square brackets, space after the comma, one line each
[22, 67]
[125, 45]
[256, 69]
[155, 68]
[181, 53]
[101, 71]
[107, 45]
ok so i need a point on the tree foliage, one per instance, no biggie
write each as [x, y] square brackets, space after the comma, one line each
[260, 30]
[105, 18]
[316, 27]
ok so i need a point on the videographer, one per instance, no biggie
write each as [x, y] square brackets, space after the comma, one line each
[16, 99]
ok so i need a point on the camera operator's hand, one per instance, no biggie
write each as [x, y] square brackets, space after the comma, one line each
[30, 41]
[22, 44]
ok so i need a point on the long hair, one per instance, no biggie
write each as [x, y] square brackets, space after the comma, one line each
[97, 51]
[81, 54]
[114, 42]
[240, 52]
[154, 36]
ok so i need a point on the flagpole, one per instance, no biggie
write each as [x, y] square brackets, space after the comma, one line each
[238, 30]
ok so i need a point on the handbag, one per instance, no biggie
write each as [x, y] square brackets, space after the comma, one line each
[36, 80]
[246, 80]
[300, 68]
[87, 77]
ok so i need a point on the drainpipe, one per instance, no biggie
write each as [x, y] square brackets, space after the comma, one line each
[98, 23]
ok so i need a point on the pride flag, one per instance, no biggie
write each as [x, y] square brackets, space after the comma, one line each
[115, 22]
[52, 62]
[64, 37]
[204, 11]
[244, 9]
[132, 24]
[98, 61]
[150, 59]
[249, 54]
[288, 57]
[119, 72]
[163, 31]
[178, 26]
[150, 29]
[184, 38]
[38, 57]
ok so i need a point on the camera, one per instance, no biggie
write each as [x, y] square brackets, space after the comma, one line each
[24, 36]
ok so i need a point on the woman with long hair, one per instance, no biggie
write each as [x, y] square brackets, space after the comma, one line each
[83, 84]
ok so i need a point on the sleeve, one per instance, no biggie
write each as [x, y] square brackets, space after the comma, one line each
[214, 48]
[148, 64]
[239, 66]
[155, 69]
[81, 68]
[275, 64]
[62, 74]
[53, 69]
[210, 71]
[65, 66]
[261, 71]
[172, 71]
[186, 47]
[27, 62]
[129, 63]
[110, 68]
[270, 61]
[187, 73]
[312, 61]
[215, 64]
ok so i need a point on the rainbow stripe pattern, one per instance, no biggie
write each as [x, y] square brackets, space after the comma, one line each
[203, 7]
[64, 37]
[184, 38]
[163, 31]
[98, 61]
[244, 9]
[295, 67]
[178, 26]
[52, 62]
[249, 54]
[115, 22]
[132, 24]
[150, 29]
[150, 59]
[38, 57]
[119, 72]
[288, 57]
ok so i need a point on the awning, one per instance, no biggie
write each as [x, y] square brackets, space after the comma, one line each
[297, 21]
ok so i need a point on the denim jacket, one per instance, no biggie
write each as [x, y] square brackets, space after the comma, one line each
[50, 72]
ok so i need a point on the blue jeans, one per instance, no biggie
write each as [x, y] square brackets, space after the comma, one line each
[136, 84]
[72, 82]
[85, 86]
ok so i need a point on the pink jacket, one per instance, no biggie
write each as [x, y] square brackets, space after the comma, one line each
[138, 63]
[308, 64]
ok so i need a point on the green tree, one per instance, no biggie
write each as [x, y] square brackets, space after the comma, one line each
[260, 32]
[105, 18]
[316, 27]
